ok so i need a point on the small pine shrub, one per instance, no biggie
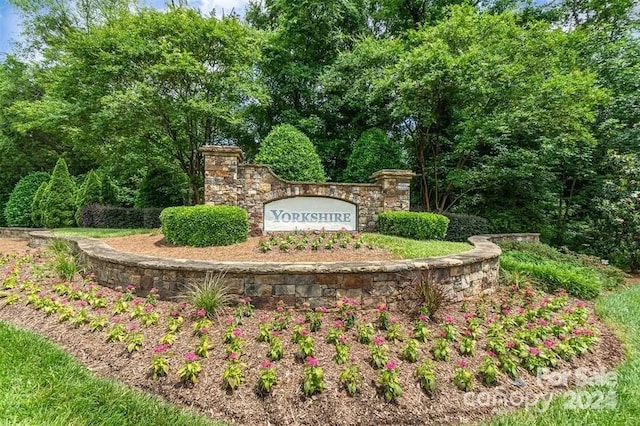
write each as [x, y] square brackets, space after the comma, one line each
[291, 155]
[162, 187]
[210, 295]
[37, 214]
[463, 226]
[59, 199]
[415, 225]
[203, 226]
[90, 192]
[17, 211]
[374, 151]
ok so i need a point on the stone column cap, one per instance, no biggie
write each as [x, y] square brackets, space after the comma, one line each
[222, 150]
[392, 174]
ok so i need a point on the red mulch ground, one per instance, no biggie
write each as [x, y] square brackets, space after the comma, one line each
[287, 405]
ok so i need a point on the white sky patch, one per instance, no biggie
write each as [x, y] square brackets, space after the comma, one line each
[221, 6]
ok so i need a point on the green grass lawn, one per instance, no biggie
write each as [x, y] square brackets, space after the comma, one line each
[42, 385]
[99, 232]
[622, 311]
[415, 249]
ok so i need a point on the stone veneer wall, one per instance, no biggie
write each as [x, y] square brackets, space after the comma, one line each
[392, 282]
[17, 232]
[250, 186]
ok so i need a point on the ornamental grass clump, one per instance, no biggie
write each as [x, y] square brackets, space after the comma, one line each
[211, 294]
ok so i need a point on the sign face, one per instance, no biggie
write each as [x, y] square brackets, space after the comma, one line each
[289, 214]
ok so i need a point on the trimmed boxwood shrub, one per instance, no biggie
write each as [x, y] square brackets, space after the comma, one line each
[97, 216]
[463, 226]
[59, 199]
[291, 155]
[415, 225]
[202, 226]
[17, 211]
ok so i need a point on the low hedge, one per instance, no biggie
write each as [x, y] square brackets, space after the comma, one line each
[203, 226]
[415, 225]
[463, 226]
[98, 216]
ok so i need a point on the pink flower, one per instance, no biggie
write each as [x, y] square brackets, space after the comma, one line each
[534, 351]
[511, 344]
[448, 319]
[183, 305]
[462, 363]
[558, 322]
[300, 320]
[201, 313]
[175, 314]
[342, 339]
[521, 310]
[306, 305]
[265, 364]
[382, 307]
[338, 324]
[506, 311]
[237, 332]
[82, 303]
[190, 356]
[137, 302]
[491, 353]
[204, 330]
[311, 361]
[304, 332]
[531, 325]
[148, 308]
[378, 340]
[161, 348]
[322, 309]
[543, 322]
[423, 318]
[233, 356]
[549, 344]
[130, 287]
[394, 320]
[580, 304]
[391, 365]
[153, 291]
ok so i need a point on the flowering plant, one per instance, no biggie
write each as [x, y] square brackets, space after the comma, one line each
[335, 332]
[342, 351]
[441, 351]
[244, 308]
[394, 331]
[313, 377]
[420, 329]
[383, 316]
[389, 383]
[267, 378]
[379, 352]
[351, 379]
[232, 376]
[134, 340]
[159, 362]
[365, 333]
[488, 371]
[276, 349]
[347, 311]
[306, 348]
[410, 351]
[190, 369]
[116, 333]
[204, 346]
[467, 346]
[427, 376]
[463, 378]
[264, 332]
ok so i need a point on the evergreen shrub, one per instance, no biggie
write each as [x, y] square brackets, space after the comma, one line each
[17, 211]
[415, 225]
[203, 226]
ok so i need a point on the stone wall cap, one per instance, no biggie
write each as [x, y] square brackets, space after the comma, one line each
[226, 150]
[392, 173]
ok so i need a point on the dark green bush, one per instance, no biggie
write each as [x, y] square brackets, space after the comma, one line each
[37, 215]
[108, 192]
[291, 155]
[415, 225]
[372, 152]
[90, 192]
[59, 199]
[162, 187]
[463, 226]
[97, 216]
[17, 211]
[203, 226]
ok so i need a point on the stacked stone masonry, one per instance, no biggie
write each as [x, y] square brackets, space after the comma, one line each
[250, 186]
[395, 283]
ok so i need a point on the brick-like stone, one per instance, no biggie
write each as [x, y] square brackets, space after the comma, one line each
[258, 290]
[308, 290]
[284, 289]
[357, 281]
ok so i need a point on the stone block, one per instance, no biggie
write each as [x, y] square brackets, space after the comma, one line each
[353, 281]
[308, 290]
[284, 289]
[258, 290]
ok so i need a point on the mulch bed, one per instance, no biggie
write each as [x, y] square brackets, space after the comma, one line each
[287, 405]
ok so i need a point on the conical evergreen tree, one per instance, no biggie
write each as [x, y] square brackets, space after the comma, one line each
[37, 216]
[59, 199]
[90, 192]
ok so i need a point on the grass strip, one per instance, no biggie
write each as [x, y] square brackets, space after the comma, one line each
[406, 248]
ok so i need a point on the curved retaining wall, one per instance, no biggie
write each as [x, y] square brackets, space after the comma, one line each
[392, 282]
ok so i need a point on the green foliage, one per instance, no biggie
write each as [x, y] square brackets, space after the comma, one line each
[97, 216]
[59, 200]
[90, 192]
[162, 187]
[211, 295]
[291, 155]
[553, 270]
[374, 151]
[463, 226]
[203, 226]
[17, 211]
[37, 214]
[417, 226]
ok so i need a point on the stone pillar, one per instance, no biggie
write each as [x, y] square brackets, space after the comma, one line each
[396, 188]
[221, 174]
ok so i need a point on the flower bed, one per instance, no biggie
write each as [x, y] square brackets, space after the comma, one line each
[339, 363]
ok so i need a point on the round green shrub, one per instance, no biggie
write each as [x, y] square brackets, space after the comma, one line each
[90, 192]
[162, 187]
[17, 211]
[291, 155]
[59, 199]
[203, 226]
[415, 225]
[37, 215]
[463, 226]
[372, 152]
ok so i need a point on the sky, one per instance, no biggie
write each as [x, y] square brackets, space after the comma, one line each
[10, 21]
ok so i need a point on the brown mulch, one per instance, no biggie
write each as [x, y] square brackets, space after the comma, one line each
[12, 245]
[287, 405]
[249, 251]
